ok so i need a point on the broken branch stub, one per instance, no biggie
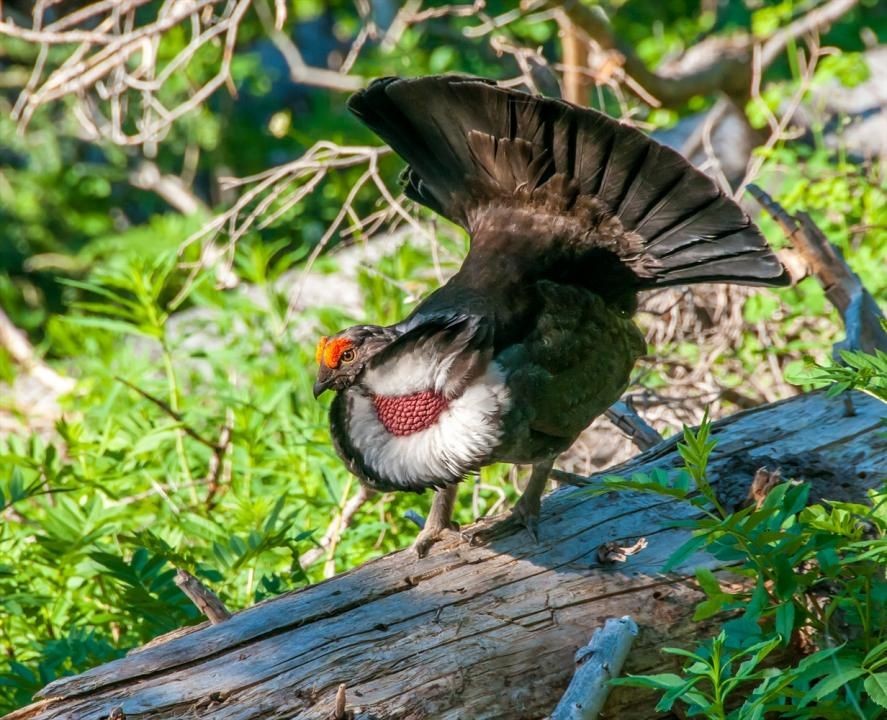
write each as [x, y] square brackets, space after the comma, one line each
[596, 664]
[861, 315]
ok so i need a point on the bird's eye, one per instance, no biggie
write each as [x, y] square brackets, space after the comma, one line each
[347, 356]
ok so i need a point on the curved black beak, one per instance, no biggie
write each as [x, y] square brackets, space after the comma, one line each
[320, 387]
[323, 382]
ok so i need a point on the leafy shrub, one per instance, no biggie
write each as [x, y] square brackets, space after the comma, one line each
[814, 592]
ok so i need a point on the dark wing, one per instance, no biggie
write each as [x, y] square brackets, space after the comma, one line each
[479, 154]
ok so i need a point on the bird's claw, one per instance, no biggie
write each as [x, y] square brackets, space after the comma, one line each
[519, 517]
[430, 535]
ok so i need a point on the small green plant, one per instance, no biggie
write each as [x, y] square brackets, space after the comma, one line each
[859, 371]
[812, 572]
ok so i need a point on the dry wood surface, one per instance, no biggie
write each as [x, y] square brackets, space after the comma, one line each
[479, 632]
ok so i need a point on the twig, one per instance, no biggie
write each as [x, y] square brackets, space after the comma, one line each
[340, 523]
[779, 127]
[624, 417]
[174, 414]
[300, 71]
[100, 71]
[696, 140]
[205, 599]
[269, 187]
[15, 342]
[861, 315]
[340, 712]
[614, 552]
[147, 176]
[415, 518]
[719, 65]
[728, 71]
[217, 460]
[815, 21]
[597, 663]
[567, 478]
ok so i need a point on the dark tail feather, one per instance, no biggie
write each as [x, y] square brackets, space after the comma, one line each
[472, 145]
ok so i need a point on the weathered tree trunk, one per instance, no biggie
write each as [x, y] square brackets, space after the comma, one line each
[479, 632]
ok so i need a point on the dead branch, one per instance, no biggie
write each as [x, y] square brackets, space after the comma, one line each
[575, 56]
[486, 631]
[111, 66]
[274, 192]
[714, 65]
[624, 416]
[779, 126]
[596, 664]
[300, 71]
[341, 522]
[340, 712]
[815, 21]
[205, 599]
[219, 470]
[147, 176]
[16, 343]
[861, 315]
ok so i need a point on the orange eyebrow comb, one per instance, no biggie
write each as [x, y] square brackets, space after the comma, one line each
[318, 353]
[333, 349]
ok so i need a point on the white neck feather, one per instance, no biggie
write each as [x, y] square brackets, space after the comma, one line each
[459, 442]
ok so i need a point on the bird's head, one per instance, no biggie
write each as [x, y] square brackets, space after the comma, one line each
[342, 357]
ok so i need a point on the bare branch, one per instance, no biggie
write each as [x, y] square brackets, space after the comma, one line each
[147, 176]
[624, 416]
[815, 21]
[779, 127]
[597, 663]
[714, 65]
[205, 599]
[16, 343]
[114, 73]
[728, 72]
[175, 415]
[339, 524]
[300, 72]
[862, 316]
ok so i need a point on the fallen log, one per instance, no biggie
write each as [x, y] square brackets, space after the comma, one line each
[479, 632]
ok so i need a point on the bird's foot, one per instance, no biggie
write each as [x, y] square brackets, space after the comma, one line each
[431, 534]
[523, 516]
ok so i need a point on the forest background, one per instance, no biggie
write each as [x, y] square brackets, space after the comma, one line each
[185, 206]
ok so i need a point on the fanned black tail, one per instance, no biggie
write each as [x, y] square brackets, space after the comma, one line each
[472, 146]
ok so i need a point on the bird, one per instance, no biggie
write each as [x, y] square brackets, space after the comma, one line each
[570, 215]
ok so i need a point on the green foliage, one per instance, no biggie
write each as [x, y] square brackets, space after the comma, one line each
[100, 517]
[133, 483]
[815, 570]
[859, 371]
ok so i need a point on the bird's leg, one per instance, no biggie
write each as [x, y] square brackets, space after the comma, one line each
[526, 511]
[439, 520]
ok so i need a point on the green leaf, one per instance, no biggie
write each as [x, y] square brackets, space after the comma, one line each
[661, 681]
[843, 674]
[692, 546]
[114, 326]
[785, 621]
[875, 654]
[684, 653]
[708, 582]
[683, 692]
[876, 686]
[757, 652]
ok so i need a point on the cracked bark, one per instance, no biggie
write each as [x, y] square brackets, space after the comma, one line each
[479, 632]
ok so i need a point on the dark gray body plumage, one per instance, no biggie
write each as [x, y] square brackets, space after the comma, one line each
[570, 214]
